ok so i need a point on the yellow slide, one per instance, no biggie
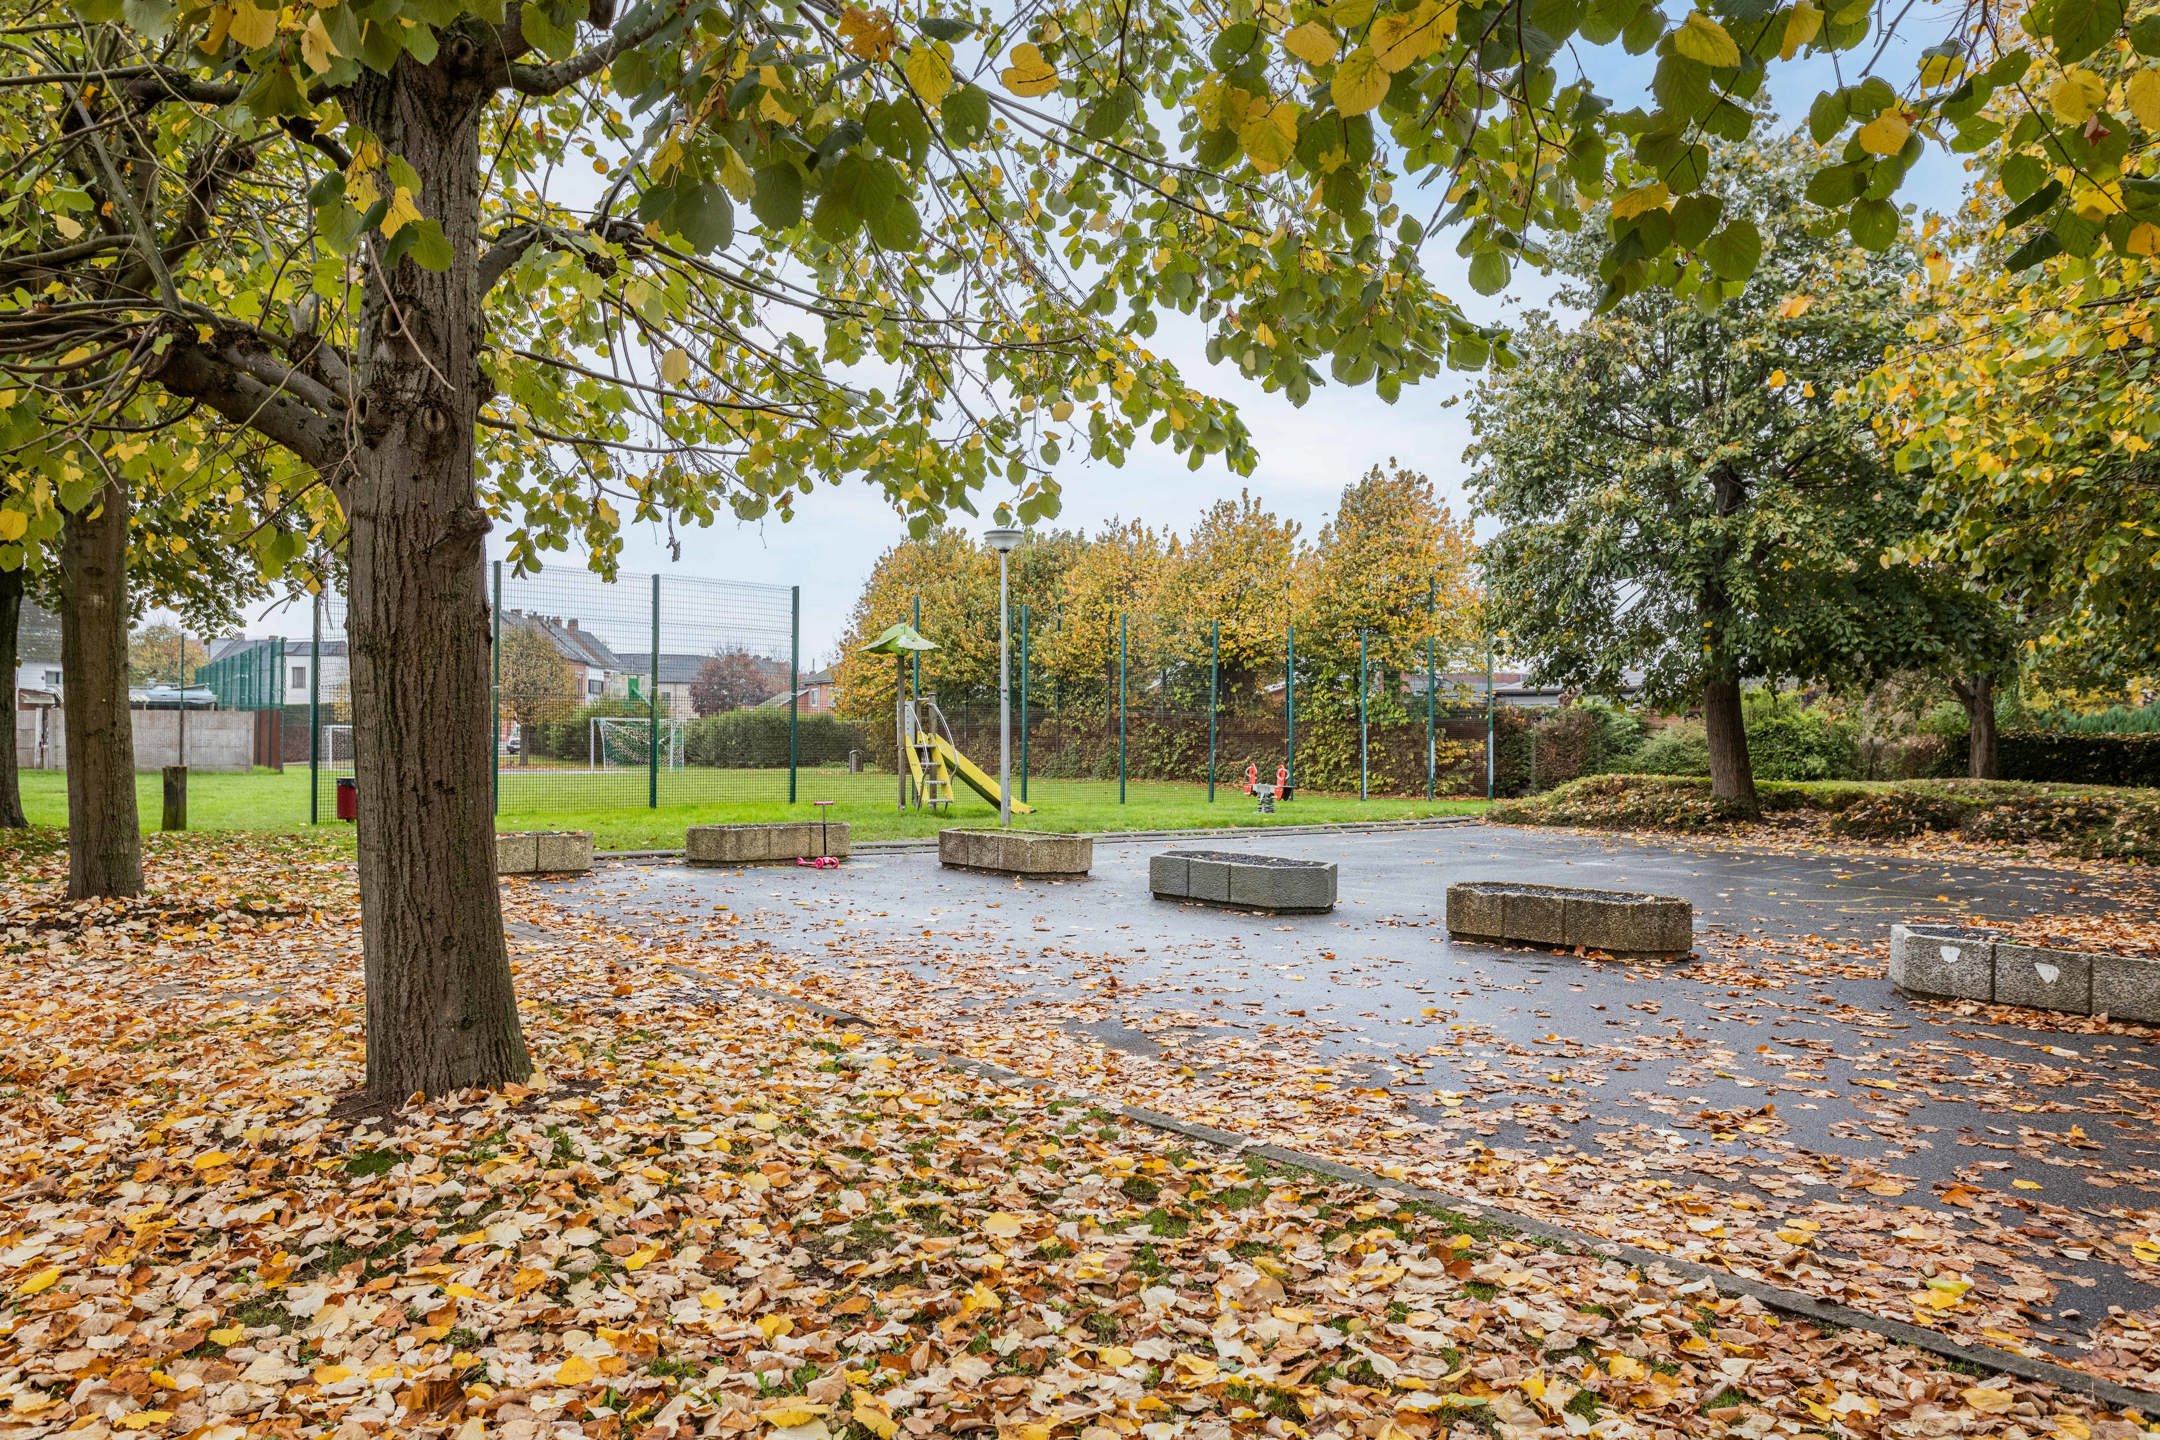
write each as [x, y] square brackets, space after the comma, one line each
[971, 776]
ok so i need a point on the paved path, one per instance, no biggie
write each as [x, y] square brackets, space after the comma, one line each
[1773, 1064]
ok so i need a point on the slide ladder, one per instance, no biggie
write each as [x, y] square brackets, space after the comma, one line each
[934, 761]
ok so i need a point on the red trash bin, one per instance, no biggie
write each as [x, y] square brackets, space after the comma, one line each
[348, 799]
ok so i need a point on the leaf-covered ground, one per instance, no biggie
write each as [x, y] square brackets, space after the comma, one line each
[1771, 1107]
[715, 1214]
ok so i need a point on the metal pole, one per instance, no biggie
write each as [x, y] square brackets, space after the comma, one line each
[652, 724]
[495, 667]
[183, 701]
[794, 683]
[1290, 712]
[1491, 758]
[1214, 680]
[1121, 707]
[916, 655]
[1432, 758]
[314, 719]
[1023, 703]
[1004, 700]
[1361, 731]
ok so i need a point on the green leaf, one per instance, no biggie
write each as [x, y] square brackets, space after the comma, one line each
[1734, 251]
[2080, 27]
[1488, 272]
[2037, 203]
[966, 114]
[1827, 116]
[1694, 217]
[430, 247]
[2043, 246]
[778, 203]
[2022, 174]
[703, 215]
[946, 27]
[1873, 224]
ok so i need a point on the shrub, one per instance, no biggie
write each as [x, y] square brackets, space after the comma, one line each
[1678, 749]
[1805, 744]
[758, 740]
[2079, 759]
[570, 738]
[2115, 720]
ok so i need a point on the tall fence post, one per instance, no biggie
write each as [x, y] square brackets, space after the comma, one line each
[794, 684]
[1121, 707]
[1289, 697]
[1362, 687]
[652, 725]
[314, 718]
[495, 689]
[1432, 618]
[1023, 703]
[1492, 754]
[915, 657]
[1214, 682]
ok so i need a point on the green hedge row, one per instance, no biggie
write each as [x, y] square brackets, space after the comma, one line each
[758, 740]
[2078, 759]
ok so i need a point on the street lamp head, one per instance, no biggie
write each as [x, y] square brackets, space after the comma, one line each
[1004, 539]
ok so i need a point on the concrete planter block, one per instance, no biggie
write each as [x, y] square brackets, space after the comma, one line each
[1017, 852]
[1475, 912]
[1943, 961]
[2126, 987]
[544, 852]
[1562, 917]
[777, 844]
[517, 854]
[2043, 979]
[1245, 882]
[1630, 924]
[1534, 916]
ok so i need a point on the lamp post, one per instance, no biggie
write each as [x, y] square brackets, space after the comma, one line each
[1003, 540]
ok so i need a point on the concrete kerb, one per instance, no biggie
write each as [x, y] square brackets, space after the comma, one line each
[1131, 837]
[1789, 1302]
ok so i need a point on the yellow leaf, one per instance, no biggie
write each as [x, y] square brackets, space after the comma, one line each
[868, 33]
[230, 1335]
[739, 182]
[252, 28]
[929, 73]
[2144, 239]
[2076, 97]
[1003, 1225]
[1027, 73]
[316, 46]
[2025, 1185]
[1401, 40]
[872, 1414]
[641, 1257]
[1989, 1402]
[1703, 40]
[770, 108]
[1640, 200]
[1794, 306]
[1269, 136]
[980, 1297]
[576, 1370]
[1803, 25]
[331, 1374]
[402, 212]
[1777, 379]
[792, 1412]
[1061, 411]
[1885, 134]
[2144, 96]
[1360, 82]
[1941, 69]
[143, 1419]
[1117, 1357]
[42, 1281]
[1938, 267]
[675, 366]
[12, 524]
[210, 1160]
[1312, 43]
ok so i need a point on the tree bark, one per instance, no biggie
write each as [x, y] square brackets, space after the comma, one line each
[11, 601]
[104, 837]
[441, 1014]
[1978, 697]
[1732, 778]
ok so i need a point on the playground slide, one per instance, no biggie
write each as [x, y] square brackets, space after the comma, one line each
[972, 777]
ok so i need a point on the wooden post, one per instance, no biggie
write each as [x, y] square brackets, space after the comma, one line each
[175, 817]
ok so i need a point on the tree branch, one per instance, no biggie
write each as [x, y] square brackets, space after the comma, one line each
[277, 414]
[552, 79]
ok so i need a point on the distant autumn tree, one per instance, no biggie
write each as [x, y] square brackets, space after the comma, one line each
[1116, 576]
[1396, 565]
[1238, 569]
[729, 680]
[956, 582]
[538, 685]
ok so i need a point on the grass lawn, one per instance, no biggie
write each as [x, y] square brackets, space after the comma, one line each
[611, 805]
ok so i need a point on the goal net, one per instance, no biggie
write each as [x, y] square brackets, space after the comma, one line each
[624, 742]
[337, 748]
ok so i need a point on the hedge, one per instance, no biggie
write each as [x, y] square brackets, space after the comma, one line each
[2078, 759]
[758, 740]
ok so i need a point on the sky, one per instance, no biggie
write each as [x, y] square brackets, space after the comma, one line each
[1306, 456]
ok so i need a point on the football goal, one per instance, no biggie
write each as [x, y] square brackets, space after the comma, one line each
[624, 742]
[336, 752]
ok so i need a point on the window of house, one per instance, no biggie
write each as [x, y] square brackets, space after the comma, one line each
[593, 687]
[299, 677]
[52, 679]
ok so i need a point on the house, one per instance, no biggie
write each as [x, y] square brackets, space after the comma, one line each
[37, 657]
[240, 665]
[815, 695]
[598, 668]
[679, 671]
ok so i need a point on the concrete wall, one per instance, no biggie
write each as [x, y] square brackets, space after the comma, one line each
[216, 739]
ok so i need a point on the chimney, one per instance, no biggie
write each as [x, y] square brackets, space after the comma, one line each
[573, 624]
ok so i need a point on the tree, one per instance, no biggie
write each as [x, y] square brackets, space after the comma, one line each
[1395, 565]
[1238, 569]
[729, 680]
[161, 653]
[538, 685]
[1114, 580]
[2024, 398]
[11, 603]
[1681, 493]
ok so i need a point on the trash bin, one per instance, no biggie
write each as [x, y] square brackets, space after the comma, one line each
[348, 799]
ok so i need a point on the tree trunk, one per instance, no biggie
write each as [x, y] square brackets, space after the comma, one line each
[104, 838]
[1732, 778]
[11, 599]
[441, 1014]
[1978, 696]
